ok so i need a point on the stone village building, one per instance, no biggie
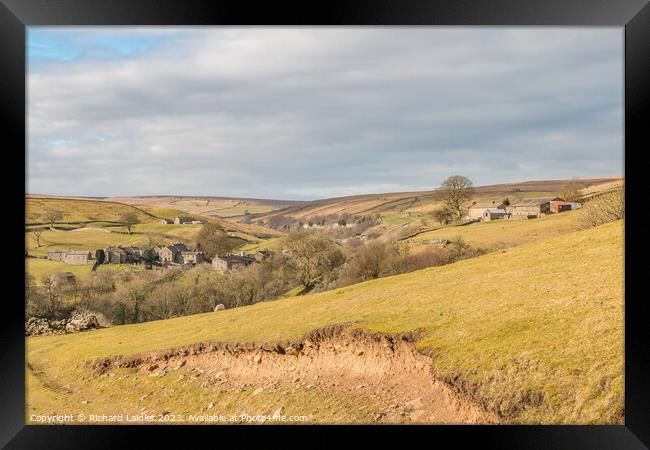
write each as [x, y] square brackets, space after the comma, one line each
[171, 253]
[230, 262]
[477, 211]
[494, 213]
[182, 220]
[192, 257]
[122, 255]
[528, 209]
[557, 205]
[74, 257]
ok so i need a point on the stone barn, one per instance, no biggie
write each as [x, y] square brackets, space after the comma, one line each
[133, 254]
[494, 214]
[180, 220]
[528, 209]
[56, 255]
[477, 211]
[231, 262]
[171, 253]
[192, 257]
[115, 255]
[558, 205]
[77, 257]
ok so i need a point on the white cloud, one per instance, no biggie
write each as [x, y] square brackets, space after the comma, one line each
[300, 112]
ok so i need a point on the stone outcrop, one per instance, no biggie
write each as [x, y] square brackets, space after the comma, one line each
[81, 322]
[35, 326]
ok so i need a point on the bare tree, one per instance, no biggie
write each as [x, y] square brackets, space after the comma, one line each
[52, 294]
[571, 191]
[36, 235]
[606, 208]
[456, 192]
[53, 215]
[129, 218]
[152, 241]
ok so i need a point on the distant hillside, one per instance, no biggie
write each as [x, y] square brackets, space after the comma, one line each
[385, 204]
[220, 207]
[423, 201]
[76, 209]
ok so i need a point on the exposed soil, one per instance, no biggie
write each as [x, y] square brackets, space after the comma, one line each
[386, 368]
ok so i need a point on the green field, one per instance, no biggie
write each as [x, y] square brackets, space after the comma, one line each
[166, 213]
[270, 244]
[40, 267]
[241, 209]
[88, 239]
[79, 210]
[184, 233]
[496, 234]
[534, 332]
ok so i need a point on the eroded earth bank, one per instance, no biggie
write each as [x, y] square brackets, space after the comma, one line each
[390, 380]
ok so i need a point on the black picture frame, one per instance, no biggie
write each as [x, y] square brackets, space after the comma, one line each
[633, 15]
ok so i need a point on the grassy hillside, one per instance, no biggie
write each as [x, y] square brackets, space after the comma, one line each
[219, 207]
[87, 239]
[77, 210]
[534, 332]
[39, 267]
[165, 213]
[498, 234]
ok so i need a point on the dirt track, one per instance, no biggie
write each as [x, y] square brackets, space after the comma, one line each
[385, 368]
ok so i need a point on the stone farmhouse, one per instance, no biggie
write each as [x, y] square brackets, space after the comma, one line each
[75, 257]
[528, 209]
[122, 255]
[494, 213]
[56, 255]
[230, 262]
[166, 221]
[535, 208]
[182, 220]
[114, 255]
[171, 253]
[192, 257]
[477, 211]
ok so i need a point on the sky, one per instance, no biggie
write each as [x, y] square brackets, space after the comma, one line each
[301, 113]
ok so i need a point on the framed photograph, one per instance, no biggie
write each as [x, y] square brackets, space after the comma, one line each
[409, 219]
